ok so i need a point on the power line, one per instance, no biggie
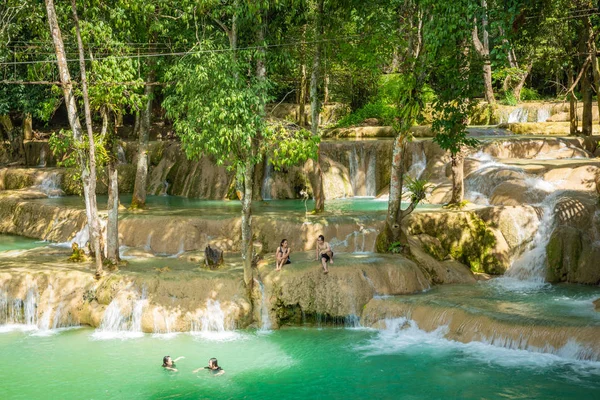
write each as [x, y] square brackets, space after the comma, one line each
[188, 52]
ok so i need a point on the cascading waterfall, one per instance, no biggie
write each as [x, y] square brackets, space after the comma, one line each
[50, 185]
[165, 189]
[121, 158]
[163, 322]
[419, 163]
[115, 323]
[44, 323]
[265, 191]
[543, 114]
[265, 321]
[212, 324]
[529, 270]
[371, 176]
[359, 241]
[354, 170]
[518, 115]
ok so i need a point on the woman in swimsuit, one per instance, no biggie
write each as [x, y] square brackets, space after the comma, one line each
[169, 363]
[324, 252]
[283, 255]
[213, 366]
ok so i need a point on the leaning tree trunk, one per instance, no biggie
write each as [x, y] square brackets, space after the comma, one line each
[138, 199]
[315, 109]
[67, 86]
[458, 171]
[519, 87]
[392, 231]
[572, 106]
[89, 175]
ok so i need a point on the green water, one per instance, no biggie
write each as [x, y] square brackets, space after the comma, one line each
[287, 364]
[13, 242]
[502, 299]
[175, 205]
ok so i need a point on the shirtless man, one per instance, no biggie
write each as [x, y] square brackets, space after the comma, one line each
[324, 253]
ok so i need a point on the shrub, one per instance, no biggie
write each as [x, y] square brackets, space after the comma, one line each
[530, 94]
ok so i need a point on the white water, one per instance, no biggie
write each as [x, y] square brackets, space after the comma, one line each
[163, 323]
[121, 155]
[44, 323]
[528, 272]
[371, 176]
[363, 171]
[359, 241]
[265, 191]
[42, 162]
[50, 185]
[403, 335]
[518, 115]
[265, 321]
[543, 114]
[122, 321]
[212, 325]
[419, 163]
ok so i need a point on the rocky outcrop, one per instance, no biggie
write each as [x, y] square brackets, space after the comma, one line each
[573, 250]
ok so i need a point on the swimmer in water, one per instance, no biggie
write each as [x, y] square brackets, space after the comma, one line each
[169, 363]
[213, 366]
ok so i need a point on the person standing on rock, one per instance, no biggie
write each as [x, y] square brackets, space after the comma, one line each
[324, 253]
[282, 255]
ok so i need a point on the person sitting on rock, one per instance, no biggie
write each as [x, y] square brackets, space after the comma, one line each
[213, 366]
[282, 255]
[169, 363]
[324, 252]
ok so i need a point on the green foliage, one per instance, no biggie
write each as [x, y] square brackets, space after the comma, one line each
[417, 188]
[450, 126]
[216, 107]
[395, 248]
[528, 94]
[384, 113]
[509, 99]
[287, 147]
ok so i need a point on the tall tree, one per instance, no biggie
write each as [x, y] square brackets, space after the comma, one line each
[87, 161]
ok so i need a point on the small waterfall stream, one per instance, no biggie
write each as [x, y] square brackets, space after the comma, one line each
[122, 318]
[265, 320]
[265, 191]
[50, 185]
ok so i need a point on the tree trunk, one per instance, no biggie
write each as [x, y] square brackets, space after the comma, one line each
[483, 48]
[247, 223]
[392, 229]
[71, 105]
[112, 227]
[315, 109]
[28, 127]
[302, 97]
[519, 87]
[94, 227]
[138, 199]
[586, 90]
[572, 106]
[326, 89]
[458, 191]
[591, 44]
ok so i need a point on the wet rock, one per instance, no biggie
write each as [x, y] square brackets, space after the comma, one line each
[597, 304]
[213, 257]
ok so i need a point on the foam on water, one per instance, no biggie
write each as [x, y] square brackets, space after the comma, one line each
[403, 335]
[118, 323]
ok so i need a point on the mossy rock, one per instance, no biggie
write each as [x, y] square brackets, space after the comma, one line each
[16, 179]
[126, 177]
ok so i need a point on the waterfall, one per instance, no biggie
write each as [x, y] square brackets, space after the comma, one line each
[148, 246]
[117, 324]
[47, 314]
[353, 169]
[371, 175]
[163, 322]
[50, 185]
[265, 321]
[419, 163]
[164, 189]
[30, 307]
[265, 191]
[519, 114]
[359, 241]
[543, 114]
[530, 267]
[18, 313]
[211, 324]
[180, 250]
[121, 155]
[42, 162]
